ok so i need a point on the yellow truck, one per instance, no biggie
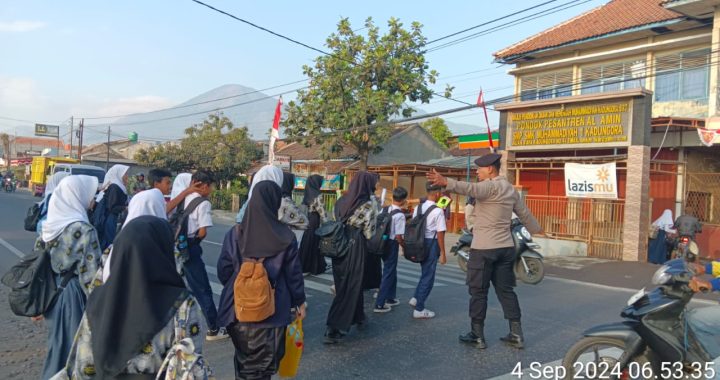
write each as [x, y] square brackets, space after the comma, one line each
[41, 168]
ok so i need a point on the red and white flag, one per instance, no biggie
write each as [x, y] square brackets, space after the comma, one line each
[275, 132]
[481, 103]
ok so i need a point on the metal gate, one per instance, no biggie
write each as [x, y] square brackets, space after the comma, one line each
[596, 222]
[702, 197]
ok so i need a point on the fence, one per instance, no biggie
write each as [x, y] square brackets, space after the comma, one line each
[328, 198]
[701, 197]
[597, 222]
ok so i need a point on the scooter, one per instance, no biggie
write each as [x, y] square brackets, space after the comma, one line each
[654, 341]
[529, 266]
[9, 185]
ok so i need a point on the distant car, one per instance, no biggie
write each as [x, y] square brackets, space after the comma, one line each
[77, 169]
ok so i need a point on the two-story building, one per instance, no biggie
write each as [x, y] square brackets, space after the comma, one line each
[633, 83]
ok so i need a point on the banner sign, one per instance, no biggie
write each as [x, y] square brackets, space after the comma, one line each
[591, 181]
[283, 162]
[47, 130]
[480, 140]
[330, 182]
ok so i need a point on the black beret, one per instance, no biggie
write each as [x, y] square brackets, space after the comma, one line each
[488, 159]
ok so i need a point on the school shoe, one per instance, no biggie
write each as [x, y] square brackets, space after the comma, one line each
[393, 302]
[425, 314]
[217, 334]
[333, 336]
[412, 302]
[382, 309]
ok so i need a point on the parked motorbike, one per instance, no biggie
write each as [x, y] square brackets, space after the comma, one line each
[654, 341]
[529, 266]
[9, 185]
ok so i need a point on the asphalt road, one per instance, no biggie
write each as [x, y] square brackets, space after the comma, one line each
[394, 345]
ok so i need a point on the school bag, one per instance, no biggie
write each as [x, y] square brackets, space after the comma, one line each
[254, 295]
[415, 249]
[33, 216]
[377, 243]
[179, 223]
[334, 240]
[33, 290]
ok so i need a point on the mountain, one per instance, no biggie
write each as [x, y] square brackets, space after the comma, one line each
[248, 108]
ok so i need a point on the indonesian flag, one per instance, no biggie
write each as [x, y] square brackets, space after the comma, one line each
[275, 132]
[481, 103]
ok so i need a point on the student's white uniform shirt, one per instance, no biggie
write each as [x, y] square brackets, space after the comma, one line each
[435, 222]
[200, 217]
[397, 227]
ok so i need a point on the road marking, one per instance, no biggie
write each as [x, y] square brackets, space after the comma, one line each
[212, 242]
[12, 249]
[438, 277]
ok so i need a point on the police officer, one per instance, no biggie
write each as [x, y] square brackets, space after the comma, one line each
[492, 254]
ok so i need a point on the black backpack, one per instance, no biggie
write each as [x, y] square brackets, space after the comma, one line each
[33, 217]
[179, 223]
[377, 243]
[334, 240]
[32, 283]
[415, 249]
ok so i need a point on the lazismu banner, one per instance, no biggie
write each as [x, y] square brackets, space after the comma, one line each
[591, 181]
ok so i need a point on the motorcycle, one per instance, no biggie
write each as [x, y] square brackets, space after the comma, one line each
[688, 227]
[9, 185]
[654, 341]
[529, 266]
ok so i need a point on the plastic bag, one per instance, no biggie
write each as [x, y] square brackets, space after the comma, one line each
[294, 346]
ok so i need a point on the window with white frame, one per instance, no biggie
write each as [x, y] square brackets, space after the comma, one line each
[682, 76]
[546, 85]
[613, 76]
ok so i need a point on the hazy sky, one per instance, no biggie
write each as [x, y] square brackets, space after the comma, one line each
[96, 58]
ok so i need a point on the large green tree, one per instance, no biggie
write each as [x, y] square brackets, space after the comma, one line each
[215, 145]
[364, 81]
[438, 129]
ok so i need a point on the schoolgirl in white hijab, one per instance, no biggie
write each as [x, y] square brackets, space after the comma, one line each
[266, 173]
[148, 202]
[69, 203]
[114, 176]
[182, 182]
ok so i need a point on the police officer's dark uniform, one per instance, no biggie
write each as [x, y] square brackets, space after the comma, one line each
[492, 251]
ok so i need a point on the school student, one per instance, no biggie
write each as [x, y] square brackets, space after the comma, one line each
[387, 296]
[434, 241]
[114, 197]
[199, 220]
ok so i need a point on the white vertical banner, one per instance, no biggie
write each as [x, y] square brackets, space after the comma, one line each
[591, 181]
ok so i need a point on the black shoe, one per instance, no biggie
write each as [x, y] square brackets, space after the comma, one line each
[333, 336]
[475, 336]
[515, 337]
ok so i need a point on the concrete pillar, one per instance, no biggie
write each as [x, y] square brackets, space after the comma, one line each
[680, 187]
[506, 158]
[714, 62]
[637, 204]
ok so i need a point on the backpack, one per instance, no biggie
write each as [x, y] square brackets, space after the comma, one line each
[179, 223]
[414, 237]
[334, 240]
[377, 243]
[33, 216]
[254, 295]
[99, 216]
[33, 290]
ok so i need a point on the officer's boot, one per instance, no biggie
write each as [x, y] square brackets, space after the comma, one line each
[476, 336]
[515, 337]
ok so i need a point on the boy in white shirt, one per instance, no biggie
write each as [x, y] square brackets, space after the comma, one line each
[435, 241]
[387, 296]
[199, 220]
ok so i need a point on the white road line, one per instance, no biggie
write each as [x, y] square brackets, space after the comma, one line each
[12, 249]
[438, 277]
[212, 242]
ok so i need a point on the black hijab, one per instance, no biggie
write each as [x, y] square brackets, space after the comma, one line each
[288, 184]
[312, 188]
[261, 233]
[139, 298]
[361, 188]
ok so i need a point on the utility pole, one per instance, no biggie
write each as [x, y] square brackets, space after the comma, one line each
[107, 159]
[82, 127]
[71, 136]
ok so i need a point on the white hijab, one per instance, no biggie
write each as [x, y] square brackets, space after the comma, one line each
[114, 176]
[665, 221]
[69, 203]
[266, 173]
[182, 182]
[53, 181]
[148, 202]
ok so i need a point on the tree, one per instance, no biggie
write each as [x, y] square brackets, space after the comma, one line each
[438, 129]
[359, 87]
[215, 145]
[5, 141]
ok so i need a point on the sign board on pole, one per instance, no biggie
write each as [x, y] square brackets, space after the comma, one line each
[47, 130]
[591, 181]
[283, 162]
